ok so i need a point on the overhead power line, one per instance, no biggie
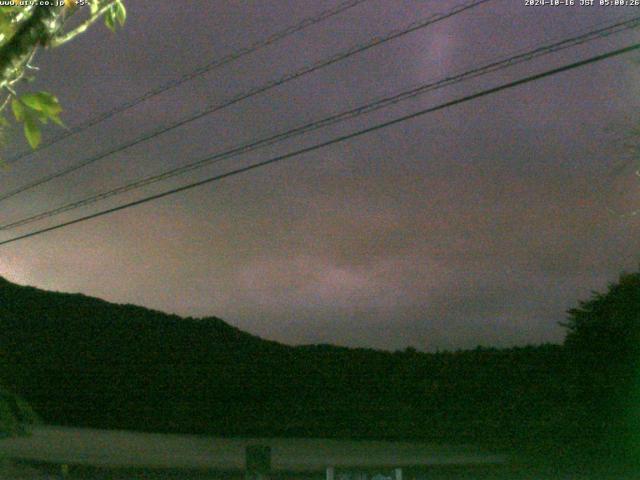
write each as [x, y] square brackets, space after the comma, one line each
[490, 67]
[248, 94]
[212, 65]
[340, 139]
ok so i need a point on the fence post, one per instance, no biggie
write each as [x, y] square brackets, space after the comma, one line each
[331, 473]
[398, 474]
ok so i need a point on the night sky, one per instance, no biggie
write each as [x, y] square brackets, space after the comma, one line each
[479, 224]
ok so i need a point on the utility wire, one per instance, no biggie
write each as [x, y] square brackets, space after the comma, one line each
[343, 138]
[491, 67]
[250, 93]
[214, 64]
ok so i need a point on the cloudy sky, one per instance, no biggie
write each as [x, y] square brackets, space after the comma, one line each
[479, 224]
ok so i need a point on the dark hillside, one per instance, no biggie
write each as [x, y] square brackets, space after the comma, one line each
[86, 362]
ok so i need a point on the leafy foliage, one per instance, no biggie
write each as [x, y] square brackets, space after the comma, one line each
[116, 15]
[34, 108]
[23, 29]
[15, 414]
[603, 343]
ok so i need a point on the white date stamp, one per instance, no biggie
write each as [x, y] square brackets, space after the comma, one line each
[581, 3]
[41, 3]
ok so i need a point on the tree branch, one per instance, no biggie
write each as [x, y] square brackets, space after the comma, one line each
[62, 39]
[35, 31]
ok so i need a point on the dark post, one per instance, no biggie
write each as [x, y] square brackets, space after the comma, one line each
[258, 462]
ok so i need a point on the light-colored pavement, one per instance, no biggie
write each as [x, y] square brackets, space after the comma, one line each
[112, 448]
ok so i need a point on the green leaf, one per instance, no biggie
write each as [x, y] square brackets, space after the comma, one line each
[56, 120]
[115, 15]
[42, 102]
[41, 106]
[42, 117]
[110, 19]
[32, 131]
[5, 25]
[121, 13]
[18, 109]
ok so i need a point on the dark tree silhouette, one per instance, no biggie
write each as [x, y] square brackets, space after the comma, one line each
[15, 414]
[603, 347]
